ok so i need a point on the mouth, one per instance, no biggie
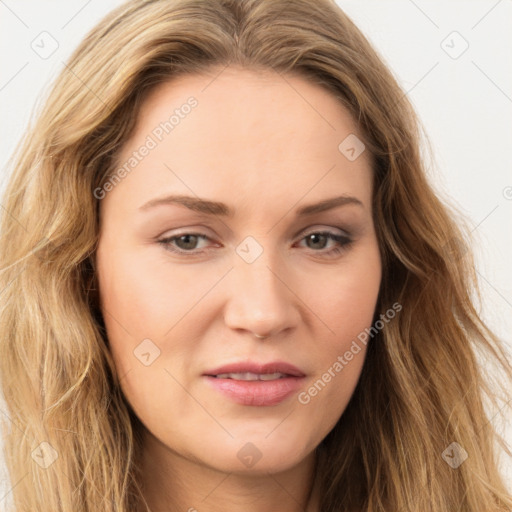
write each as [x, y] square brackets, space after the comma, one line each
[250, 370]
[253, 384]
[248, 376]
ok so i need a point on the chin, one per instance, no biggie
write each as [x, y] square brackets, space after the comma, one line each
[257, 454]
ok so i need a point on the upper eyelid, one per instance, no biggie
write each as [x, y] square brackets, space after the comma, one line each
[303, 233]
[315, 229]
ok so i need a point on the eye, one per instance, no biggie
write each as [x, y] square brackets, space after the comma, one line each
[322, 237]
[186, 243]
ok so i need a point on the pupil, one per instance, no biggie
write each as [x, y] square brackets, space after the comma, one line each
[315, 236]
[187, 237]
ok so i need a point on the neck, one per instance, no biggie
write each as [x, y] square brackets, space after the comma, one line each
[171, 482]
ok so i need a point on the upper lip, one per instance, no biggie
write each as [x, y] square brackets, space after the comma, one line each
[258, 368]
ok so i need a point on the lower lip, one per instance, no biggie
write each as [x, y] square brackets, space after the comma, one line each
[257, 392]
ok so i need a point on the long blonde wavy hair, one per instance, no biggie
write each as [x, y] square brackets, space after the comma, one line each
[71, 441]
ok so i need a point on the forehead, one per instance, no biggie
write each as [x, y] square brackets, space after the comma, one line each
[255, 95]
[256, 133]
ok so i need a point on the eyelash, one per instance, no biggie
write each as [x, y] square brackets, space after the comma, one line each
[343, 241]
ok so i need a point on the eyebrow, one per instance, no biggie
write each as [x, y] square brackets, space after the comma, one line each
[216, 208]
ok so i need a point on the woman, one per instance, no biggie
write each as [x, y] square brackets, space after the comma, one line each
[251, 369]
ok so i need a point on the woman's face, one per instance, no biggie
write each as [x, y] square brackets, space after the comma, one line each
[184, 288]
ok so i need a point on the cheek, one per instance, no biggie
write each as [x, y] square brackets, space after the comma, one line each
[130, 304]
[349, 296]
[349, 308]
[346, 307]
[144, 297]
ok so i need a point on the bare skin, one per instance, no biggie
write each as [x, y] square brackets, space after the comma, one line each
[265, 146]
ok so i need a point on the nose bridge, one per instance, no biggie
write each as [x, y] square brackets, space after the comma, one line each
[260, 300]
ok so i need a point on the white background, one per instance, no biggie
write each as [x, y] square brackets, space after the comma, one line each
[465, 104]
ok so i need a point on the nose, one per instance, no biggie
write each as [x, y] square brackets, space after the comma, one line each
[261, 300]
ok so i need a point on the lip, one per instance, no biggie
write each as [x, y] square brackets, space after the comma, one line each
[257, 393]
[252, 367]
